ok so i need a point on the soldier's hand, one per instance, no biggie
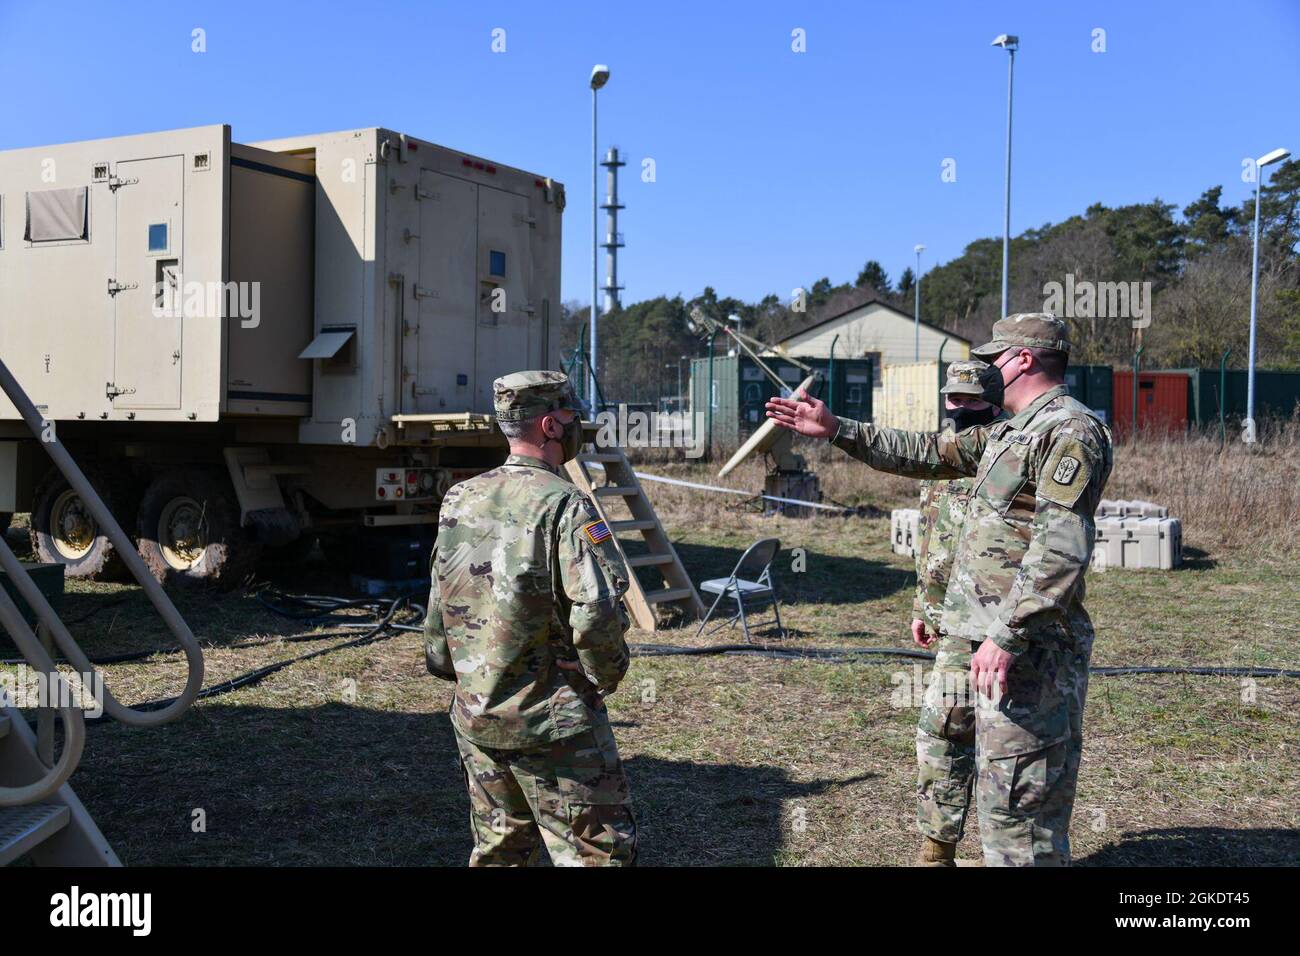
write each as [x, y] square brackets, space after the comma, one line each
[920, 635]
[988, 669]
[568, 665]
[803, 414]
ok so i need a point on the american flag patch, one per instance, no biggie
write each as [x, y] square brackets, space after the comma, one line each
[597, 531]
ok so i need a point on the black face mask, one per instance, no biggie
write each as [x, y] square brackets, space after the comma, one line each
[964, 418]
[570, 440]
[991, 381]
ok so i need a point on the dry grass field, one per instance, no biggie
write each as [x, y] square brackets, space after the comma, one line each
[347, 758]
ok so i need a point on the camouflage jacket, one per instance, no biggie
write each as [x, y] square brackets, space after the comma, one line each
[1028, 535]
[943, 509]
[524, 575]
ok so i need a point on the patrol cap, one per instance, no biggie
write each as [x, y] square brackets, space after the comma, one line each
[520, 396]
[1027, 330]
[964, 378]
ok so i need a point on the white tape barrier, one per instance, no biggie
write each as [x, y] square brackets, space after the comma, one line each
[737, 491]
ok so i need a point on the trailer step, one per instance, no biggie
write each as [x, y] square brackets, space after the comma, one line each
[25, 827]
[614, 468]
[649, 560]
[668, 594]
[634, 525]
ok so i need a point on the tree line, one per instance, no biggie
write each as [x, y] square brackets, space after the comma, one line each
[1194, 263]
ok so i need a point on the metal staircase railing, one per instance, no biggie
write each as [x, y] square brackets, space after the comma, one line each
[30, 647]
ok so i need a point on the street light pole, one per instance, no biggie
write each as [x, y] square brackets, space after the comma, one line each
[1248, 433]
[599, 77]
[1010, 44]
[916, 323]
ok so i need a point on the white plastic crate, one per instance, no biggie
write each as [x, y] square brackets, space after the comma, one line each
[904, 530]
[1131, 509]
[1139, 542]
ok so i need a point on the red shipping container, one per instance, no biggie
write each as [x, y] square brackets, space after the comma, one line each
[1162, 402]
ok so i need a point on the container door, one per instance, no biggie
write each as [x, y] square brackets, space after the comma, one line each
[444, 297]
[146, 287]
[506, 309]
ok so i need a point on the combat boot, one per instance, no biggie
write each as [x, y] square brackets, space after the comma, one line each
[937, 853]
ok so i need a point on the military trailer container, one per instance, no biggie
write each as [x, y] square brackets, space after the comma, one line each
[246, 344]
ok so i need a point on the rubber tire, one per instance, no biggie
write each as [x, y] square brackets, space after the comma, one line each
[101, 562]
[230, 554]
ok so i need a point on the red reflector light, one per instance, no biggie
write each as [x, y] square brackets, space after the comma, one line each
[381, 493]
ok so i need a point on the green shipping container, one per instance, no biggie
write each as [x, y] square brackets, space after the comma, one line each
[1277, 394]
[1094, 386]
[741, 389]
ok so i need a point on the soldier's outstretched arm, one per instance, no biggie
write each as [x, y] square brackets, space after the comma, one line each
[437, 656]
[594, 579]
[1071, 480]
[945, 454]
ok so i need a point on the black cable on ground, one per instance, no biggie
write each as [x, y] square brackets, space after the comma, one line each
[311, 608]
[372, 636]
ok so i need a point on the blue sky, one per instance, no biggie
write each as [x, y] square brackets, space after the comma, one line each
[773, 168]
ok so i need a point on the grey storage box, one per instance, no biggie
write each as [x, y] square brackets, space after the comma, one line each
[1141, 542]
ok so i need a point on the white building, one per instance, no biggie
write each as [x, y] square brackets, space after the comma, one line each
[876, 330]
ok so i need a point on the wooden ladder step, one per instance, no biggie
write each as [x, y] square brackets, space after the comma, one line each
[631, 525]
[649, 560]
[623, 491]
[25, 827]
[600, 456]
[668, 594]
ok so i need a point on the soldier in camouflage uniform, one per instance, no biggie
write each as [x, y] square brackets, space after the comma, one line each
[1016, 591]
[945, 732]
[526, 616]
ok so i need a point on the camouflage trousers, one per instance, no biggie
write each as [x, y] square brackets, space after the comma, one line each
[945, 744]
[571, 795]
[1028, 745]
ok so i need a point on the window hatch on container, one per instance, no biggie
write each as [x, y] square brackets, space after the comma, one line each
[327, 344]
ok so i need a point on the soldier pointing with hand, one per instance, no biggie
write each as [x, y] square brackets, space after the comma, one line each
[1017, 585]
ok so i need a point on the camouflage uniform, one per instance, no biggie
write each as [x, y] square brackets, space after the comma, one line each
[525, 575]
[945, 732]
[1018, 581]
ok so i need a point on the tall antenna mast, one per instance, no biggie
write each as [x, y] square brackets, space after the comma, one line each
[613, 238]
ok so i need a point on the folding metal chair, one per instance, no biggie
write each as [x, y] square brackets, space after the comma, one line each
[747, 589]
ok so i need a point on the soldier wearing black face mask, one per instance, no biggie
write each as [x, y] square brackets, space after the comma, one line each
[945, 732]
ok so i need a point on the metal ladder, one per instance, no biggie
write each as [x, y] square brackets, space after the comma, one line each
[615, 480]
[39, 813]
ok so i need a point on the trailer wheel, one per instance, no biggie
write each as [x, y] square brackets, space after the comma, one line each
[65, 532]
[189, 532]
